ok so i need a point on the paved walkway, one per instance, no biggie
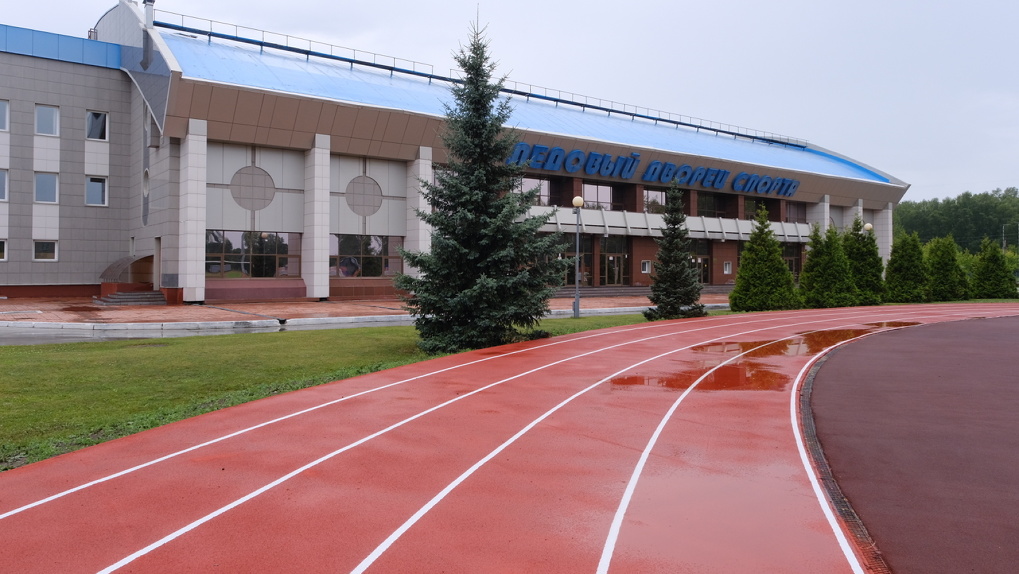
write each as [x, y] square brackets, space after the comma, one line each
[85, 310]
[33, 321]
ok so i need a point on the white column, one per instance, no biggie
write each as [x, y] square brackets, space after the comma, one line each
[820, 213]
[191, 230]
[851, 213]
[419, 235]
[883, 231]
[315, 241]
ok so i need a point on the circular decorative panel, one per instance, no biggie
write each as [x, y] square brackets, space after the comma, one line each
[252, 188]
[364, 195]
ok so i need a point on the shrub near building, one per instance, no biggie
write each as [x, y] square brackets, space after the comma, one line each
[947, 280]
[763, 281]
[992, 278]
[827, 280]
[906, 279]
[865, 263]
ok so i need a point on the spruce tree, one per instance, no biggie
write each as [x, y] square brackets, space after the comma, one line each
[827, 279]
[865, 264]
[675, 287]
[906, 277]
[947, 280]
[992, 278]
[763, 280]
[489, 271]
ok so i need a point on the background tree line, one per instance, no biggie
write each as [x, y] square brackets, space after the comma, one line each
[968, 218]
[844, 269]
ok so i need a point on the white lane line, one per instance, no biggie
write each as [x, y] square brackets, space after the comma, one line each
[292, 415]
[379, 550]
[822, 500]
[722, 321]
[617, 521]
[174, 535]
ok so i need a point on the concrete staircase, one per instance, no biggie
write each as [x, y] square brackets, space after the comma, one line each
[134, 298]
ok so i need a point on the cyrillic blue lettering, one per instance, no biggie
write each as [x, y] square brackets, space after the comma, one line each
[739, 184]
[668, 172]
[698, 175]
[764, 186]
[593, 163]
[654, 169]
[555, 159]
[721, 178]
[539, 154]
[520, 153]
[574, 161]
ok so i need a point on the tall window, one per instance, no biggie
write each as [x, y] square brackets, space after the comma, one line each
[251, 254]
[95, 190]
[795, 212]
[95, 126]
[47, 120]
[3, 250]
[3, 185]
[544, 189]
[4, 114]
[602, 197]
[45, 251]
[365, 256]
[46, 187]
[654, 200]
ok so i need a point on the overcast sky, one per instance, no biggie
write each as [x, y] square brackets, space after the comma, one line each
[926, 90]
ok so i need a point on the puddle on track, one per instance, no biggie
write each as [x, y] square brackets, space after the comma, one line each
[749, 373]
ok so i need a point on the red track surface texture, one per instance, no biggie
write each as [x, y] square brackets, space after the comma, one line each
[664, 447]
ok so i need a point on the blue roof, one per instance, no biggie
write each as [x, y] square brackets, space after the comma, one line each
[27, 42]
[276, 70]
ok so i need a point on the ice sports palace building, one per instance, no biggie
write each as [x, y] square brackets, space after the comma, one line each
[213, 162]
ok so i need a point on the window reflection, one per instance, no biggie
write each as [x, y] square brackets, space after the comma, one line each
[365, 256]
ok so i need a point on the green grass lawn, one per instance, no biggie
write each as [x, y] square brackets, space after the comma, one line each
[59, 398]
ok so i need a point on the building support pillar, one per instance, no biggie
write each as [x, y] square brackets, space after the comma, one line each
[191, 212]
[820, 213]
[315, 241]
[883, 231]
[419, 234]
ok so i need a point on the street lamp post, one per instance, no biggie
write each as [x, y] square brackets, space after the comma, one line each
[578, 202]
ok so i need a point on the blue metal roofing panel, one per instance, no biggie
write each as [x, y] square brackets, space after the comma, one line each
[265, 68]
[27, 42]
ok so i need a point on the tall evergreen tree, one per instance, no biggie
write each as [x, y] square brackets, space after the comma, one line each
[675, 287]
[948, 281]
[906, 277]
[763, 280]
[826, 280]
[489, 270]
[992, 278]
[865, 264]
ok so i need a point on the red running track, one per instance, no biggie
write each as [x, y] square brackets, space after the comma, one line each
[663, 447]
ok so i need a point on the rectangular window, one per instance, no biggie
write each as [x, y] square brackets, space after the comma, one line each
[47, 120]
[251, 254]
[645, 266]
[602, 197]
[654, 200]
[4, 115]
[46, 186]
[3, 185]
[3, 250]
[95, 191]
[95, 126]
[365, 256]
[543, 185]
[727, 267]
[45, 251]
